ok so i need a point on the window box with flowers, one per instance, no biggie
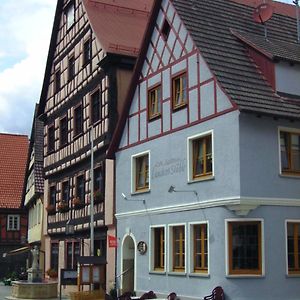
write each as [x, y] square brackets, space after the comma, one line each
[52, 273]
[51, 209]
[63, 207]
[77, 203]
[98, 196]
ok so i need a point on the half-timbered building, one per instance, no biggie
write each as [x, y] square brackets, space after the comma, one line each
[207, 154]
[13, 218]
[34, 189]
[91, 57]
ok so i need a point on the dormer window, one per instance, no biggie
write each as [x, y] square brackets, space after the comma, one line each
[70, 15]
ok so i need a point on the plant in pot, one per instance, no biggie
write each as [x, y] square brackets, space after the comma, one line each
[52, 273]
[98, 196]
[77, 203]
[51, 209]
[63, 207]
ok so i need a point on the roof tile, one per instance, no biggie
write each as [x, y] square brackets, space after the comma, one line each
[13, 157]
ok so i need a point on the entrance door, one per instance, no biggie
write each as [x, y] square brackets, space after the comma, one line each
[128, 265]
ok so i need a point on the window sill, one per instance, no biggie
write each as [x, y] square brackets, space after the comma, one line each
[203, 178]
[177, 273]
[77, 136]
[194, 274]
[157, 272]
[290, 175]
[142, 191]
[179, 106]
[245, 276]
[154, 117]
[292, 275]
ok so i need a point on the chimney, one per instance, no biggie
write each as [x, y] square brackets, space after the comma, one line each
[296, 2]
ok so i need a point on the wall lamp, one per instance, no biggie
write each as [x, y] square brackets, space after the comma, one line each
[129, 199]
[172, 189]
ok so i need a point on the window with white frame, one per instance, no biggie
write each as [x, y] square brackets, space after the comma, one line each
[290, 151]
[158, 248]
[200, 156]
[199, 248]
[13, 222]
[140, 172]
[177, 248]
[245, 247]
[293, 247]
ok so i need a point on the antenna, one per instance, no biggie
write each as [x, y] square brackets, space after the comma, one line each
[262, 13]
[296, 2]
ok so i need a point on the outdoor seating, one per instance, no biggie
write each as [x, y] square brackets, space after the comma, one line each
[148, 295]
[217, 294]
[172, 296]
[125, 296]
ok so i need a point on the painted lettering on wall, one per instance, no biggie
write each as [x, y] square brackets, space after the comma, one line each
[168, 167]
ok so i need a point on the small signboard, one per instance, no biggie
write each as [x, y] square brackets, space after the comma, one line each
[89, 274]
[68, 276]
[112, 241]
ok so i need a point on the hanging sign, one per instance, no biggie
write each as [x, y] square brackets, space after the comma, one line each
[112, 241]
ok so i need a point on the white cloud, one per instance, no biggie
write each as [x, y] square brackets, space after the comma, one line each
[24, 40]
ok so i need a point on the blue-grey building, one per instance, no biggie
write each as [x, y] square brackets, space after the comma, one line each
[207, 155]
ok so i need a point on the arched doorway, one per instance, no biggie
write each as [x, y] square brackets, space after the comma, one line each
[128, 264]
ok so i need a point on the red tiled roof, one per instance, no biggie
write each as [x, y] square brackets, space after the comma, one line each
[13, 157]
[119, 25]
[278, 7]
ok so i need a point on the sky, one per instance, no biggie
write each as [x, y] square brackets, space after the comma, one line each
[25, 29]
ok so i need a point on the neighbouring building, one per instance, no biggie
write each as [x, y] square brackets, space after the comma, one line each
[91, 57]
[34, 189]
[207, 155]
[13, 218]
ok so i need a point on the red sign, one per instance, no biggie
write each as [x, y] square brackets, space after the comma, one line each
[112, 241]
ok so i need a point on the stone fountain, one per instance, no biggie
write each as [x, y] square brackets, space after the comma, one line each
[34, 287]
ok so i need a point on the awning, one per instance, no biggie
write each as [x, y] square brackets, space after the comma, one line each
[16, 251]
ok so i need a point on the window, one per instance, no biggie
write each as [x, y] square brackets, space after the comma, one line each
[290, 152]
[178, 248]
[71, 67]
[158, 248]
[179, 89]
[98, 179]
[73, 252]
[95, 106]
[63, 126]
[57, 82]
[202, 156]
[200, 152]
[166, 29]
[154, 102]
[78, 120]
[51, 138]
[200, 248]
[52, 195]
[13, 222]
[65, 191]
[293, 247]
[54, 256]
[140, 167]
[245, 248]
[87, 51]
[70, 15]
[80, 188]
